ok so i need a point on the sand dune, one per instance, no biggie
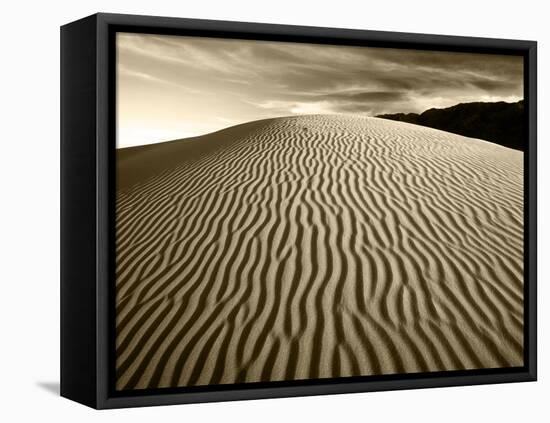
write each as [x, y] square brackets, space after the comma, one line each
[314, 247]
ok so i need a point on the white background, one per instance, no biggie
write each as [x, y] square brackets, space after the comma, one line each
[29, 175]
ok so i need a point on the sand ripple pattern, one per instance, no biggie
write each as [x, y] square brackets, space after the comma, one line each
[321, 246]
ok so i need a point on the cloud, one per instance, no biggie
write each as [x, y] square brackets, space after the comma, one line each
[197, 79]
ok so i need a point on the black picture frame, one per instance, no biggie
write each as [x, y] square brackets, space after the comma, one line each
[87, 210]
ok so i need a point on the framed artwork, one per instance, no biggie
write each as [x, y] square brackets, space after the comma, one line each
[255, 211]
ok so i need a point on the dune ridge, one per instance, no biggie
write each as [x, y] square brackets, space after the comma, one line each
[319, 246]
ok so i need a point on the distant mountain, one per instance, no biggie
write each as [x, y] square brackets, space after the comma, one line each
[501, 123]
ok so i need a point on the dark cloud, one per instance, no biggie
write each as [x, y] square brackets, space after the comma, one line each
[366, 96]
[209, 83]
[489, 85]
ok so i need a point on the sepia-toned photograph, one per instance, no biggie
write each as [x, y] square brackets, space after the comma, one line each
[289, 211]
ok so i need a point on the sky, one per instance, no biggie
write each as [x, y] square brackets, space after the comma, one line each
[173, 87]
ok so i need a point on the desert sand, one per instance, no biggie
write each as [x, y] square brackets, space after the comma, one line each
[317, 246]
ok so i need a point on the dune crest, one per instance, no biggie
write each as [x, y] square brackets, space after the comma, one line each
[314, 247]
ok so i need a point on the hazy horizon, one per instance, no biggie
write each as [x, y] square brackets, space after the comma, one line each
[172, 87]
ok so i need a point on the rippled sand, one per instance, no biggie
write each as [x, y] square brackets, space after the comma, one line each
[315, 247]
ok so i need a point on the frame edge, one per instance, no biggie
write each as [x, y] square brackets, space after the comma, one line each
[103, 399]
[78, 211]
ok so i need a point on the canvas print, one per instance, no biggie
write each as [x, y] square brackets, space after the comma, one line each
[293, 211]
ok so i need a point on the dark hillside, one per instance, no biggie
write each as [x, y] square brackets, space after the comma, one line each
[501, 123]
